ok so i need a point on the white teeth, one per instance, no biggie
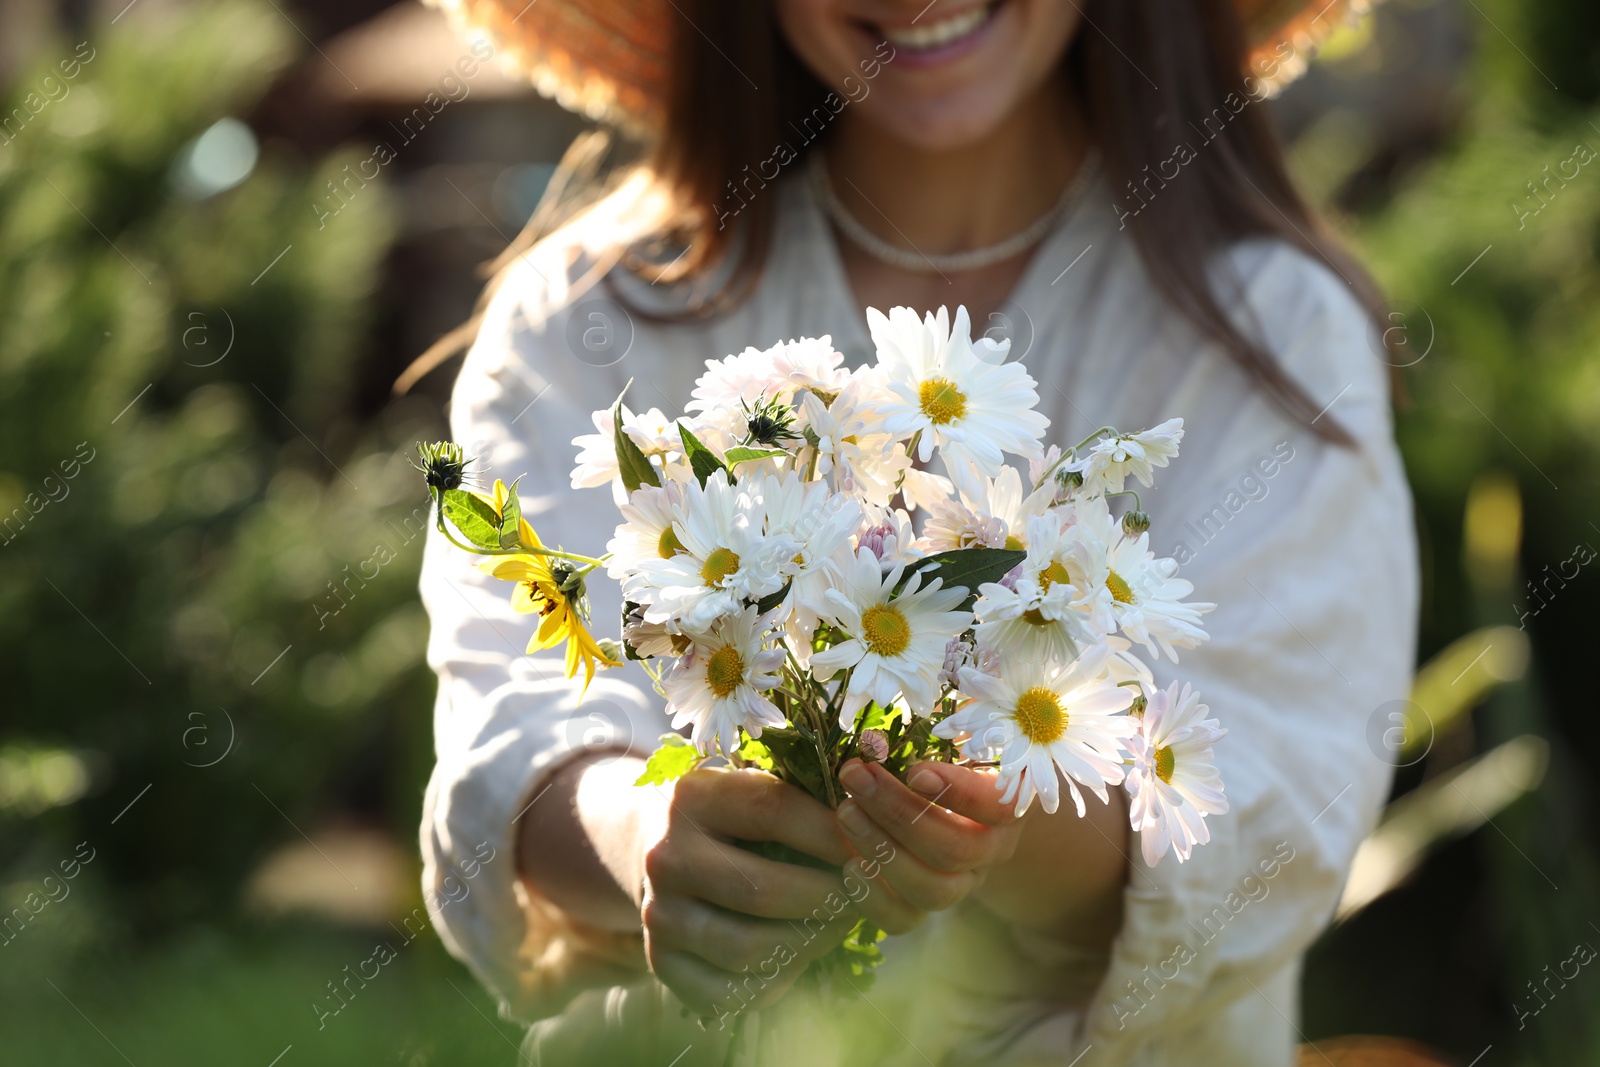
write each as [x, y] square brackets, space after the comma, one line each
[937, 34]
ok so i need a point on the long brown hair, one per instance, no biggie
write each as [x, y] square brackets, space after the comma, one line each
[1148, 74]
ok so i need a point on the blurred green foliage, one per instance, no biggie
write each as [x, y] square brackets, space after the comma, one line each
[207, 580]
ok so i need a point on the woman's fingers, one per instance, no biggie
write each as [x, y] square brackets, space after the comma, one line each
[919, 884]
[942, 839]
[874, 899]
[967, 791]
[755, 806]
[688, 861]
[735, 942]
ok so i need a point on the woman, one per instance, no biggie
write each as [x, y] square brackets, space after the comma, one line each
[1099, 183]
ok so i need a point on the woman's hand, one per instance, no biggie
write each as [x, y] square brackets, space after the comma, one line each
[926, 856]
[951, 837]
[727, 929]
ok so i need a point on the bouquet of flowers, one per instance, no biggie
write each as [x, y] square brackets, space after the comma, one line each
[803, 591]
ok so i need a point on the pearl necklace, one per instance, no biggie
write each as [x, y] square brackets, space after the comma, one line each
[944, 262]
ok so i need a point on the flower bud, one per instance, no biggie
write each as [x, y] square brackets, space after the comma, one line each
[873, 746]
[1140, 701]
[1135, 523]
[1067, 478]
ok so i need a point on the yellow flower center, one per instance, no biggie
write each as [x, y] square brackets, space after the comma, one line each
[1014, 543]
[1165, 762]
[1056, 572]
[1121, 592]
[942, 401]
[885, 630]
[718, 565]
[725, 670]
[1040, 716]
[668, 545]
[1035, 617]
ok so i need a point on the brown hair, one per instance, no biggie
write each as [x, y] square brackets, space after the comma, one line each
[1147, 73]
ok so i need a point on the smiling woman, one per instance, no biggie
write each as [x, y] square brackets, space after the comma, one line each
[989, 165]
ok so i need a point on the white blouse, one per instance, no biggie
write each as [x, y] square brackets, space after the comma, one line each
[1307, 548]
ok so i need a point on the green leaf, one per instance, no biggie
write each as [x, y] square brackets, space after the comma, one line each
[743, 454]
[966, 567]
[511, 519]
[702, 460]
[473, 516]
[772, 600]
[877, 717]
[794, 759]
[675, 758]
[632, 465]
[756, 754]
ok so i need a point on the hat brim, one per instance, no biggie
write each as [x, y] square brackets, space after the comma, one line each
[608, 61]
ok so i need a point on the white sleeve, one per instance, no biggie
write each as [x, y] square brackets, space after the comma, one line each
[1314, 572]
[504, 720]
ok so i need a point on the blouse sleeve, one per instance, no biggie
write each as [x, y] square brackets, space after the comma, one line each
[1308, 550]
[504, 721]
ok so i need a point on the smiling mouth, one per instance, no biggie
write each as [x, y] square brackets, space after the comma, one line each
[938, 33]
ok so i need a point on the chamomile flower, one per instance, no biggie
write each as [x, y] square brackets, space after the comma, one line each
[1107, 466]
[1174, 783]
[897, 643]
[863, 462]
[810, 363]
[1032, 616]
[720, 685]
[1122, 586]
[645, 532]
[819, 523]
[726, 558]
[959, 394]
[653, 432]
[996, 516]
[1041, 716]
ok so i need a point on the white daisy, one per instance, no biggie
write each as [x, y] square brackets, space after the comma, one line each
[596, 465]
[718, 687]
[1121, 585]
[995, 517]
[896, 643]
[726, 558]
[1043, 716]
[923, 489]
[819, 523]
[646, 529]
[1174, 782]
[862, 462]
[971, 405]
[809, 363]
[1107, 466]
[1031, 615]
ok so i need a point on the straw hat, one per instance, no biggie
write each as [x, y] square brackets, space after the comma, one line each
[607, 60]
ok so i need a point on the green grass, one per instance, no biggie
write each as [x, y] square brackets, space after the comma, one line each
[243, 997]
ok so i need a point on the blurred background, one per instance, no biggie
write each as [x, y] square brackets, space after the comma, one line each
[215, 727]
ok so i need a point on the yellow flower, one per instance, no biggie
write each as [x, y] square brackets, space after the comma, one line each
[539, 590]
[498, 502]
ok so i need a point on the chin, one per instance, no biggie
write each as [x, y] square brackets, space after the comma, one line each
[948, 74]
